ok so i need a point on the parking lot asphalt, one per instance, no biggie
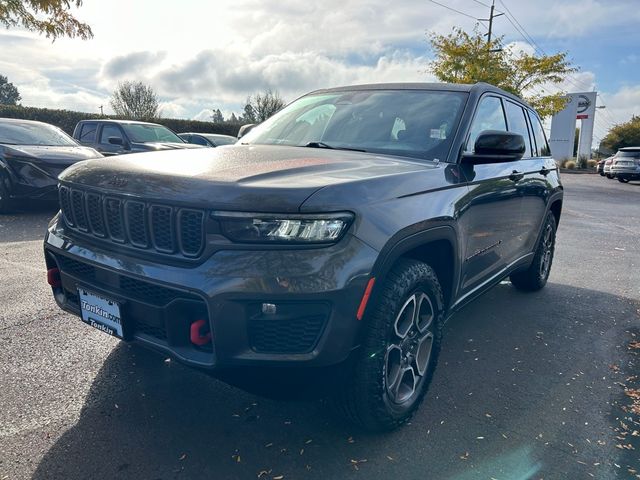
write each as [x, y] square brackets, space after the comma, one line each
[529, 386]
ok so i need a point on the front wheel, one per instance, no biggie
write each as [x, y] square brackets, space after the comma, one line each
[393, 367]
[623, 180]
[535, 277]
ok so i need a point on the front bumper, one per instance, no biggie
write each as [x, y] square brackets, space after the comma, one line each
[316, 293]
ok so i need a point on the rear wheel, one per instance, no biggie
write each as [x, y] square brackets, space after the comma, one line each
[623, 180]
[535, 277]
[393, 367]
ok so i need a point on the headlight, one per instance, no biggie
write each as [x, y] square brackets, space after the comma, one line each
[283, 228]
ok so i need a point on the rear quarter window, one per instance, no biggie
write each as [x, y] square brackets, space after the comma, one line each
[88, 133]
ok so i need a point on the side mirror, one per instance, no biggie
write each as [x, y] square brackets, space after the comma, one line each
[244, 129]
[496, 146]
[115, 141]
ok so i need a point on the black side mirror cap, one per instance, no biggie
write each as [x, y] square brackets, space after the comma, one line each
[496, 146]
[115, 140]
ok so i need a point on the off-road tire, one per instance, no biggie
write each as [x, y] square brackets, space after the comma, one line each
[364, 397]
[535, 277]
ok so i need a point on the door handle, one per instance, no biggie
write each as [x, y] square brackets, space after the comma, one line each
[516, 176]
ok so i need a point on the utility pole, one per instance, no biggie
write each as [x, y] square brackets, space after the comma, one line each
[490, 20]
[101, 111]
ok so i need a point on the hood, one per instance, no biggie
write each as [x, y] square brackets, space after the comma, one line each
[59, 156]
[166, 145]
[244, 178]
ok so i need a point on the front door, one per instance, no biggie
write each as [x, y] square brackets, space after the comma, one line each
[491, 218]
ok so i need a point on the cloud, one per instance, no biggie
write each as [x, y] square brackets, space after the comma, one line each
[131, 63]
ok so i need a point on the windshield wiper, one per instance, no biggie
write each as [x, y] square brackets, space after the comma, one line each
[331, 147]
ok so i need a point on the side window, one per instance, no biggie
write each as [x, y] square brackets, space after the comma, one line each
[489, 116]
[518, 124]
[109, 130]
[198, 140]
[88, 133]
[543, 149]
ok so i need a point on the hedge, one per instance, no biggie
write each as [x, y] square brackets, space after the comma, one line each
[67, 120]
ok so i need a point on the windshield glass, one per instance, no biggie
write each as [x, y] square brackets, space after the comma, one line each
[629, 154]
[143, 133]
[27, 133]
[414, 123]
[221, 139]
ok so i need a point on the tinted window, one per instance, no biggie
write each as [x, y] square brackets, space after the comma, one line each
[109, 131]
[198, 140]
[143, 132]
[542, 147]
[489, 116]
[413, 123]
[88, 132]
[518, 124]
[629, 154]
[33, 133]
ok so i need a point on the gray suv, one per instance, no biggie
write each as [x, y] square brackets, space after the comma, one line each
[338, 236]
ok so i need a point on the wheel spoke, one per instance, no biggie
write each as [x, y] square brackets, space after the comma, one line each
[404, 320]
[423, 313]
[423, 354]
[393, 364]
[406, 385]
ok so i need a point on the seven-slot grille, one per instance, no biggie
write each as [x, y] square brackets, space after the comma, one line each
[135, 223]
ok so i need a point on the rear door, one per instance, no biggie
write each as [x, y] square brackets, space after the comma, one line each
[86, 134]
[532, 186]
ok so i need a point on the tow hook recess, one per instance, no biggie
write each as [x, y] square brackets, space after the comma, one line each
[197, 337]
[53, 277]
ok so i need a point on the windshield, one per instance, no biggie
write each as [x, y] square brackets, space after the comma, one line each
[221, 139]
[414, 123]
[144, 133]
[27, 133]
[629, 153]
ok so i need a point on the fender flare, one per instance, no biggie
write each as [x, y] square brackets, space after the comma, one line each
[408, 239]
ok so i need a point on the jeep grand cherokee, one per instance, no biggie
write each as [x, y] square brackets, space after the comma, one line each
[343, 231]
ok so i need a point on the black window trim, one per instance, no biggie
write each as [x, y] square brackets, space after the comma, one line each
[536, 117]
[475, 113]
[523, 108]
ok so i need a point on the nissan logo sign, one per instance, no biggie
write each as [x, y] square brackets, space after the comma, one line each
[583, 104]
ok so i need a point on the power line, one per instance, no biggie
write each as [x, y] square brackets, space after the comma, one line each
[532, 43]
[457, 11]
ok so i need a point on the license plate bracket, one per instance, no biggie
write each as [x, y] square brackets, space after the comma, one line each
[101, 312]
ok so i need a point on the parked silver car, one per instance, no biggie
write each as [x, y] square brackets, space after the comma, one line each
[626, 164]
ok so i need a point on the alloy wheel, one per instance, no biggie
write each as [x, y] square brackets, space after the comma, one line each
[547, 251]
[409, 351]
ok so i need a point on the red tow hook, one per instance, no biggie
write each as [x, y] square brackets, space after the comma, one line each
[196, 336]
[53, 277]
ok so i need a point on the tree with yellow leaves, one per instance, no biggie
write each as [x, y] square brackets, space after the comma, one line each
[468, 58]
[49, 17]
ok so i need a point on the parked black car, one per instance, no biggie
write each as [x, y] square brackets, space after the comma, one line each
[117, 137]
[32, 155]
[208, 139]
[342, 232]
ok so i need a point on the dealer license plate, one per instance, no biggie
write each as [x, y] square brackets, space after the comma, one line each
[100, 312]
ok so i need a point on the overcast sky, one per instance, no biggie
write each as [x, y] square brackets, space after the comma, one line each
[200, 55]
